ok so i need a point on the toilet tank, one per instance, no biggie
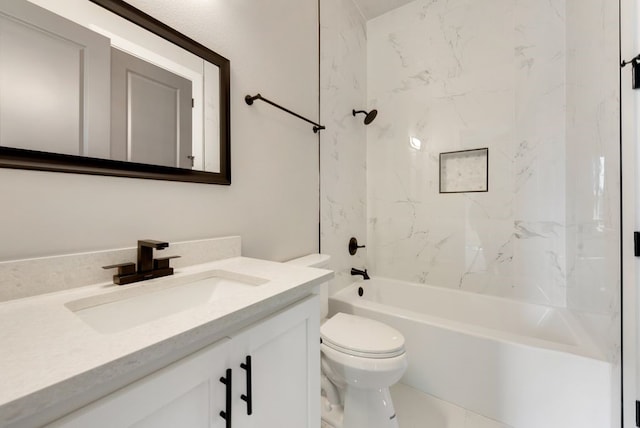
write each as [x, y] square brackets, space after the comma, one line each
[318, 261]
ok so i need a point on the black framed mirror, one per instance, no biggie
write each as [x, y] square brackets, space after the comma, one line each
[136, 135]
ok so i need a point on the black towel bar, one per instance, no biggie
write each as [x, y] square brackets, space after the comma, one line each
[250, 99]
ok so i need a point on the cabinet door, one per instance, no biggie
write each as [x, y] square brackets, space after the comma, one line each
[187, 393]
[285, 369]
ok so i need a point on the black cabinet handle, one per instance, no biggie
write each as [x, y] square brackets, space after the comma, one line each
[226, 413]
[249, 396]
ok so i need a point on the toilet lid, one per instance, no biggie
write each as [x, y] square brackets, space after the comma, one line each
[360, 336]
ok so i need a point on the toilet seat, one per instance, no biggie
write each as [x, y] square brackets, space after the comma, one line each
[361, 337]
[360, 372]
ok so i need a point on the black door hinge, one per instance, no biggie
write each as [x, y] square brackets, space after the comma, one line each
[636, 246]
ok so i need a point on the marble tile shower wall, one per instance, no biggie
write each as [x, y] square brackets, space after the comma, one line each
[593, 151]
[462, 74]
[593, 208]
[343, 143]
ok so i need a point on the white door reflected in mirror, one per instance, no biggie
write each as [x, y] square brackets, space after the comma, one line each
[59, 96]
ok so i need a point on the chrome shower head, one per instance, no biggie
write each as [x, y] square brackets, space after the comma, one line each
[368, 118]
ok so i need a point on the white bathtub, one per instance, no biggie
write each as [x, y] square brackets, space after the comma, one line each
[525, 365]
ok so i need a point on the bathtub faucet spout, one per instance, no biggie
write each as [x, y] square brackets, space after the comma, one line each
[364, 273]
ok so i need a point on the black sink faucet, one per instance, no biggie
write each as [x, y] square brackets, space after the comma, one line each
[145, 253]
[148, 267]
[364, 273]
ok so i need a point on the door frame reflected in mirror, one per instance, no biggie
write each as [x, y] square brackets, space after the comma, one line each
[47, 161]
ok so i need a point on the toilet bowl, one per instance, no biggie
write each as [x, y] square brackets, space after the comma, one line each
[360, 358]
[363, 358]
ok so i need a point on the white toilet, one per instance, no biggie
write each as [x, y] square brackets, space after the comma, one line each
[361, 358]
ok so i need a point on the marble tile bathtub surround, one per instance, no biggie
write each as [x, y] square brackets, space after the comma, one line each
[343, 184]
[30, 277]
[455, 82]
[593, 151]
[593, 138]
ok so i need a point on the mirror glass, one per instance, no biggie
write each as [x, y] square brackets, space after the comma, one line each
[101, 88]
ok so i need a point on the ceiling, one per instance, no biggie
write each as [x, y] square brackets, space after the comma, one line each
[372, 8]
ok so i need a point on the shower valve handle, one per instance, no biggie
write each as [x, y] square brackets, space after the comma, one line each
[353, 246]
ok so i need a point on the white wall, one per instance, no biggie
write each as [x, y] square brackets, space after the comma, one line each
[343, 144]
[273, 199]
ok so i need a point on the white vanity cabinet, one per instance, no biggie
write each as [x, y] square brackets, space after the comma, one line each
[181, 394]
[274, 365]
[284, 352]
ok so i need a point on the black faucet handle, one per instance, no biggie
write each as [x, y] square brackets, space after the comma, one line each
[127, 268]
[163, 262]
[353, 246]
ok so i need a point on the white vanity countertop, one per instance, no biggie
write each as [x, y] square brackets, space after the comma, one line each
[50, 355]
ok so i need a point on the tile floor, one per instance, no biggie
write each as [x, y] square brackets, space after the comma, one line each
[416, 409]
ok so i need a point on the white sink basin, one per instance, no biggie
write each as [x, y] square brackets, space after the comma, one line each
[144, 302]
